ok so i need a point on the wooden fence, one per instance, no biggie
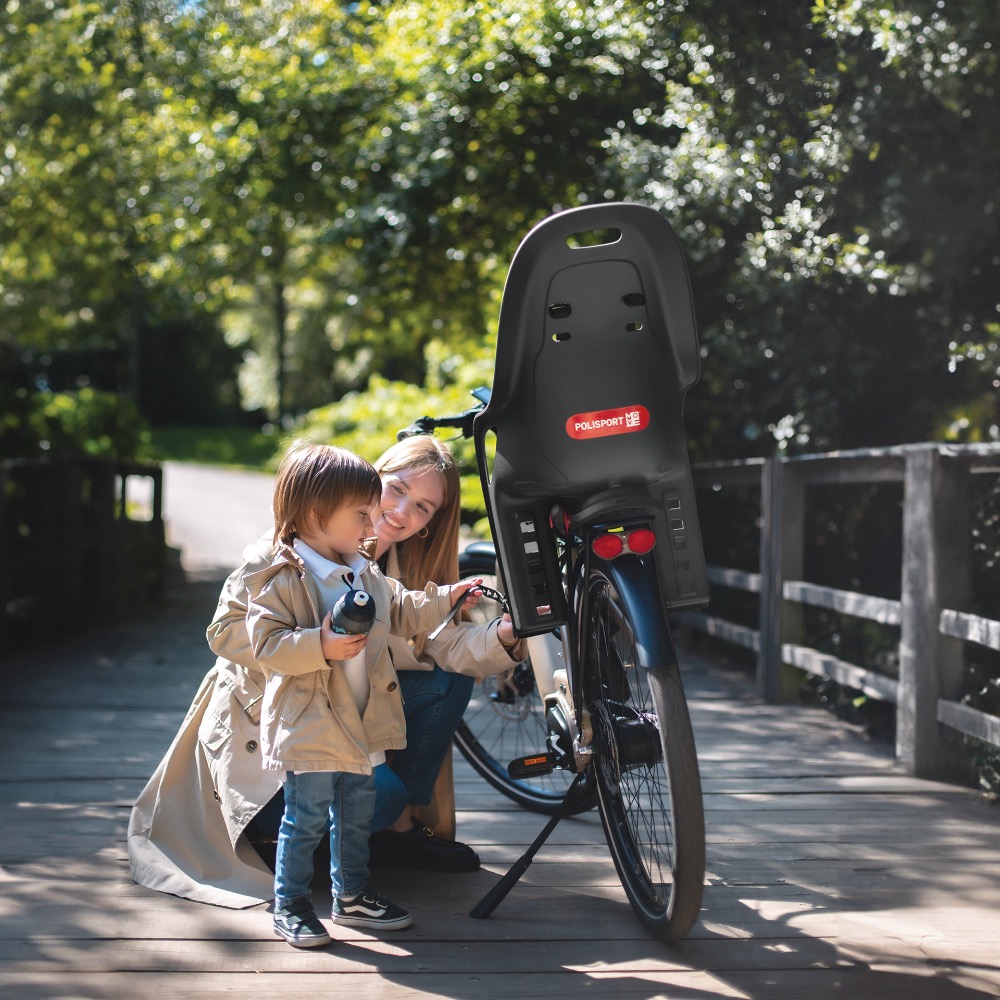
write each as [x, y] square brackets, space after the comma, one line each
[935, 580]
[78, 546]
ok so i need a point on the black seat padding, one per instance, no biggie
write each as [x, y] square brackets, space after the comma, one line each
[596, 347]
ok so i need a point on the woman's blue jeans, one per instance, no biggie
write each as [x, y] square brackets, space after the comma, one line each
[434, 702]
[315, 802]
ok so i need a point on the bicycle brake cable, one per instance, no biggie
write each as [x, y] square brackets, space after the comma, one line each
[492, 595]
[487, 592]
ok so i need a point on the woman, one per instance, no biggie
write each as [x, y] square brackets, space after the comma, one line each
[417, 524]
[193, 828]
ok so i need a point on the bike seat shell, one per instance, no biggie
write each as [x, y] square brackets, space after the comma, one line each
[596, 348]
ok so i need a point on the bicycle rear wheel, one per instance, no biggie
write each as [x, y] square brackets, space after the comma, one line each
[645, 768]
[505, 718]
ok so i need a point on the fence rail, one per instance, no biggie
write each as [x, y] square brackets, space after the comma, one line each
[78, 544]
[935, 581]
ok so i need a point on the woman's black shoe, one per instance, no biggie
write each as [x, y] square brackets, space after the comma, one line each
[419, 848]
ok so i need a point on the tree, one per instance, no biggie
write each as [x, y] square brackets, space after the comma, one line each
[838, 271]
[65, 260]
[486, 119]
[77, 268]
[340, 188]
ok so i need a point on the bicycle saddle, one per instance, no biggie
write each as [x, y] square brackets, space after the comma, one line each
[596, 348]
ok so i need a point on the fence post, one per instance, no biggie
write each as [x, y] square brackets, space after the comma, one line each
[935, 575]
[68, 587]
[6, 567]
[781, 546]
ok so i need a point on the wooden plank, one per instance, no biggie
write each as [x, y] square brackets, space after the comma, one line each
[720, 628]
[936, 575]
[920, 983]
[971, 628]
[857, 465]
[969, 720]
[847, 602]
[478, 986]
[735, 578]
[850, 674]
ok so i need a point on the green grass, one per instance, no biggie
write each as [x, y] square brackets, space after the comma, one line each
[237, 447]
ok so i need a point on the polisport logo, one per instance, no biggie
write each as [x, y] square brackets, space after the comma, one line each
[604, 423]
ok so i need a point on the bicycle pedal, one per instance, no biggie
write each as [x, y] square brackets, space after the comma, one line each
[533, 764]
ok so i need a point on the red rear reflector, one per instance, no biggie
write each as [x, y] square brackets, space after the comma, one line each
[608, 546]
[641, 541]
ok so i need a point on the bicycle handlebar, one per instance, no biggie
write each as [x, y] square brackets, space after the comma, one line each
[427, 425]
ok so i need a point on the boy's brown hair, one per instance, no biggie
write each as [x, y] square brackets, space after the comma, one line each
[314, 480]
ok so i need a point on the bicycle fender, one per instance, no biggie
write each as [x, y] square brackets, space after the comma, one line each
[637, 582]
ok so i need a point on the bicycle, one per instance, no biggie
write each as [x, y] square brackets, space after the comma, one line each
[595, 534]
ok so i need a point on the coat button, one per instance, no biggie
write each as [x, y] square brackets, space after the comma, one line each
[251, 746]
[392, 686]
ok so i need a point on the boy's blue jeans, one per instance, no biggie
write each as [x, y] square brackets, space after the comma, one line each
[317, 801]
[434, 703]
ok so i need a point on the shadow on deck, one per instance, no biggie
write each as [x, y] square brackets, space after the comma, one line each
[830, 872]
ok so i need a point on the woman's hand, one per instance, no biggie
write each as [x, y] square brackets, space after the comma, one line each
[505, 632]
[337, 645]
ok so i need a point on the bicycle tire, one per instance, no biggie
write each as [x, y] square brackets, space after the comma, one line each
[505, 719]
[645, 767]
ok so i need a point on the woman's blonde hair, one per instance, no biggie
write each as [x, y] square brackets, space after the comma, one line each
[434, 557]
[314, 480]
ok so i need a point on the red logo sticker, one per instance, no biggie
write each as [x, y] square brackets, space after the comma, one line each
[603, 423]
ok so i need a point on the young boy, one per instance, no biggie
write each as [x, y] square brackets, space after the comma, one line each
[331, 706]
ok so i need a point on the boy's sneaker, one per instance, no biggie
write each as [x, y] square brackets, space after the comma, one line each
[368, 909]
[297, 923]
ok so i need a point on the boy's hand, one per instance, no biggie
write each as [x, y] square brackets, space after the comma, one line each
[337, 645]
[461, 594]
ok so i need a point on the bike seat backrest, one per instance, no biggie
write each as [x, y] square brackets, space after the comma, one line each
[596, 348]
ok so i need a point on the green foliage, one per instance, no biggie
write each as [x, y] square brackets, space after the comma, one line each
[340, 186]
[367, 422]
[227, 445]
[87, 423]
[834, 179]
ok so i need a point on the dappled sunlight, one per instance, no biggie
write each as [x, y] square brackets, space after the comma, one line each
[826, 864]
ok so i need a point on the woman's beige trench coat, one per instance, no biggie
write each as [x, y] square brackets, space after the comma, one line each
[185, 833]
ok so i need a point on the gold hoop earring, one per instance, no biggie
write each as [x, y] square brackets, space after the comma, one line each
[423, 532]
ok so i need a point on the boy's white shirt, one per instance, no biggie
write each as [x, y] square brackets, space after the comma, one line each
[334, 580]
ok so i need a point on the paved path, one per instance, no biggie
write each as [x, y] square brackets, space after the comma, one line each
[830, 872]
[211, 514]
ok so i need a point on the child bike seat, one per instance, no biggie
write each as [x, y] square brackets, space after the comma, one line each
[596, 347]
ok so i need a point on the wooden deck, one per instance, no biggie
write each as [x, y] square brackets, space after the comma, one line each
[830, 873]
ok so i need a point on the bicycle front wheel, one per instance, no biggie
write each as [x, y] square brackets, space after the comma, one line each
[645, 767]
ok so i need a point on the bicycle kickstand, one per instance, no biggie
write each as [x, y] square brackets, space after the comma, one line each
[496, 895]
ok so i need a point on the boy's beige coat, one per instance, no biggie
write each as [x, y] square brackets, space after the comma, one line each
[309, 718]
